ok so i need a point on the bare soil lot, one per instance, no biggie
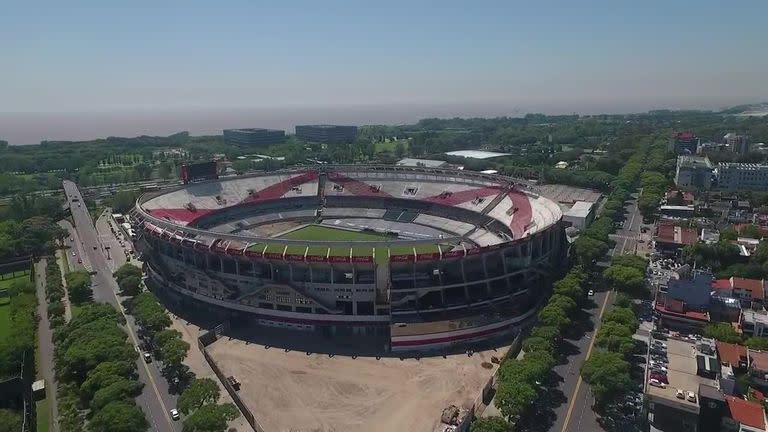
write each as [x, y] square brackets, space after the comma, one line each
[293, 391]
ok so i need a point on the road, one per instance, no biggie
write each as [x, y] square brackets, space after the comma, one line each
[45, 349]
[577, 415]
[155, 400]
[577, 412]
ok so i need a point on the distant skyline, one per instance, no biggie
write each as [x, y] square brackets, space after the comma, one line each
[160, 67]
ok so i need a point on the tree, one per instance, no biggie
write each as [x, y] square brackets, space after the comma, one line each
[532, 344]
[546, 332]
[119, 416]
[623, 300]
[608, 375]
[567, 304]
[120, 390]
[514, 397]
[130, 285]
[757, 343]
[489, 424]
[399, 150]
[200, 392]
[630, 260]
[127, 270]
[210, 418]
[172, 353]
[103, 375]
[149, 313]
[623, 316]
[10, 420]
[588, 250]
[615, 337]
[79, 287]
[722, 332]
[554, 316]
[625, 279]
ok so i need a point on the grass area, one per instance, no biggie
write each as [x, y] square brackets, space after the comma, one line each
[389, 145]
[41, 410]
[8, 279]
[319, 232]
[5, 317]
[75, 309]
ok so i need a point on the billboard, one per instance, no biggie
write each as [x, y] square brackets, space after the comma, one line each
[199, 171]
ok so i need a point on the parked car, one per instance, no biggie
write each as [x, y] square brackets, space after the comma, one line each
[660, 377]
[590, 293]
[660, 344]
[147, 357]
[657, 383]
[690, 396]
[175, 414]
[679, 394]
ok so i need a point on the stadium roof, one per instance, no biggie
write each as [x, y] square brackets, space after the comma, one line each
[476, 154]
[427, 163]
[580, 209]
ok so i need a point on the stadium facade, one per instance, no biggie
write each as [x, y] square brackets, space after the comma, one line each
[444, 258]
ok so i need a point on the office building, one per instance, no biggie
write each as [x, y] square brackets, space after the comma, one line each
[683, 143]
[736, 143]
[326, 134]
[742, 176]
[693, 172]
[254, 136]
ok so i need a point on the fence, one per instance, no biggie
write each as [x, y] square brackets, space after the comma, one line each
[203, 341]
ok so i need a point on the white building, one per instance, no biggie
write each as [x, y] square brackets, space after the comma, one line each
[580, 215]
[742, 176]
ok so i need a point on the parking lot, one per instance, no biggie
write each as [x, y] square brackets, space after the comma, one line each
[298, 391]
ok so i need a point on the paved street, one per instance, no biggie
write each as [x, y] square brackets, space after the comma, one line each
[576, 415]
[155, 399]
[45, 346]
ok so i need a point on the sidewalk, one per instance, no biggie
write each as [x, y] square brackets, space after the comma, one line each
[45, 347]
[197, 364]
[61, 260]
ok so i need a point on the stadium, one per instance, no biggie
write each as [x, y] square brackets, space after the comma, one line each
[422, 258]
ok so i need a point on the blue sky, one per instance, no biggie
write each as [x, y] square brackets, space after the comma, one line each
[578, 55]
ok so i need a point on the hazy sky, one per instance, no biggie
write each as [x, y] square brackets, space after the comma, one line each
[559, 56]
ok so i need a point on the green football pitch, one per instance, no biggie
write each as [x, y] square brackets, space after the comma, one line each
[319, 233]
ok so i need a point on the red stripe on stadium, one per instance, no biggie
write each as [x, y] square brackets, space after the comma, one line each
[456, 198]
[277, 190]
[356, 187]
[180, 214]
[521, 212]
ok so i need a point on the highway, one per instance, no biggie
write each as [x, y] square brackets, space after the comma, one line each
[155, 399]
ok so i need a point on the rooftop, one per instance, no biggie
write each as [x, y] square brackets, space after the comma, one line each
[428, 163]
[746, 412]
[694, 162]
[731, 353]
[758, 360]
[579, 209]
[754, 316]
[254, 130]
[753, 286]
[681, 375]
[674, 234]
[476, 154]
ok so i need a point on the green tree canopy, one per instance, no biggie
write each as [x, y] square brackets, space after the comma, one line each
[210, 418]
[200, 392]
[608, 375]
[722, 332]
[514, 397]
[79, 287]
[623, 316]
[119, 416]
[489, 424]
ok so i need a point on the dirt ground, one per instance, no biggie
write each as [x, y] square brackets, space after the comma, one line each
[293, 391]
[200, 367]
